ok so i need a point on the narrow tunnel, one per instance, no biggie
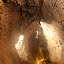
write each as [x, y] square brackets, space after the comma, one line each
[31, 32]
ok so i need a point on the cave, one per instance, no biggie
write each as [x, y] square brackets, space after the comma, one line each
[31, 31]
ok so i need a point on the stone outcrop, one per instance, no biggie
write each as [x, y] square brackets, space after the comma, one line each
[8, 26]
[54, 9]
[53, 15]
[22, 17]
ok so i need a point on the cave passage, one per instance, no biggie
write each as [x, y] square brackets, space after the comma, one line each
[31, 32]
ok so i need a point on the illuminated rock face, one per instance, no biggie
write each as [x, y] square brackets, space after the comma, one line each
[21, 50]
[53, 13]
[14, 18]
[8, 55]
[51, 32]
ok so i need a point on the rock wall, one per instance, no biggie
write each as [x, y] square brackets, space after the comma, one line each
[15, 18]
[53, 14]
[9, 24]
[55, 9]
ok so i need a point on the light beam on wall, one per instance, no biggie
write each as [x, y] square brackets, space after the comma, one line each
[54, 47]
[20, 42]
[21, 49]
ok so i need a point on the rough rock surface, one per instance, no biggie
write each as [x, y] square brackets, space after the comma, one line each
[9, 27]
[55, 9]
[16, 18]
[53, 14]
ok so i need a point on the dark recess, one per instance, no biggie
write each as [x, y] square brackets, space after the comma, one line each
[4, 0]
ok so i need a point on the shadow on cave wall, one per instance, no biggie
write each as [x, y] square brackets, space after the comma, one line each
[38, 47]
[35, 44]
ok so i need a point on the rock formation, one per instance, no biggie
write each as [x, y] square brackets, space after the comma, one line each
[26, 17]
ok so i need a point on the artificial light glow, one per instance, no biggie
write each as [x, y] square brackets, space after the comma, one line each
[21, 49]
[21, 38]
[46, 29]
[18, 45]
[42, 60]
[38, 61]
[51, 33]
[37, 34]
